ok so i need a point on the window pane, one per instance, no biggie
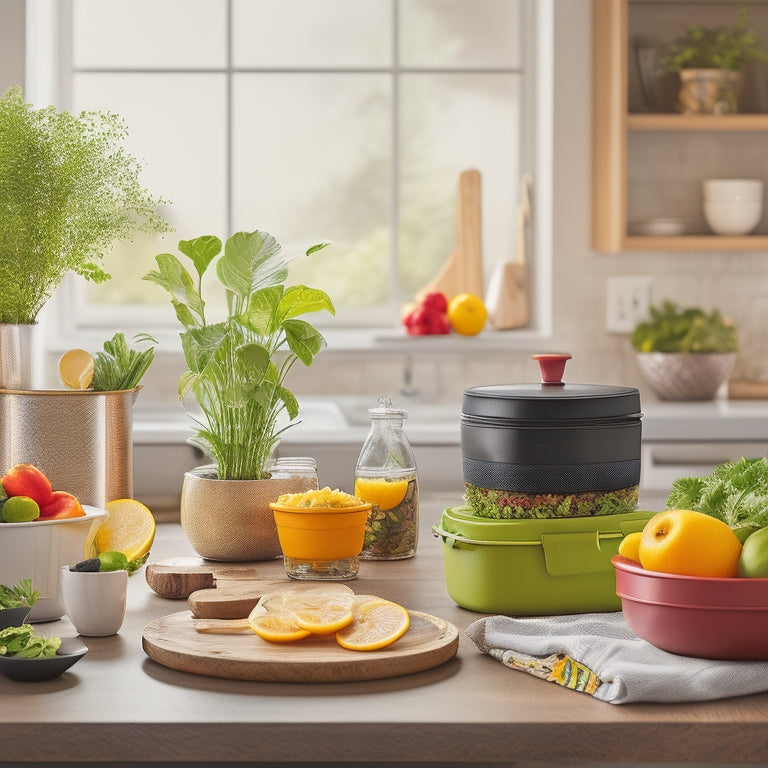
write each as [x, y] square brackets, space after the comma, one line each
[144, 34]
[176, 127]
[308, 33]
[311, 163]
[483, 114]
[458, 33]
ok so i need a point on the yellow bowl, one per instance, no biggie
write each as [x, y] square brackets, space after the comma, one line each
[320, 533]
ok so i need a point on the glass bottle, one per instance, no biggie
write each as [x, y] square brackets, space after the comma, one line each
[385, 476]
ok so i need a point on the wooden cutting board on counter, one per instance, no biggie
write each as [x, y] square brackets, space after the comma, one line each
[227, 591]
[174, 642]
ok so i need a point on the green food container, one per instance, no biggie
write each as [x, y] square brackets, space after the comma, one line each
[533, 567]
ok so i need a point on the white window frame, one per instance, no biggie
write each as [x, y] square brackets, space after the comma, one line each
[50, 84]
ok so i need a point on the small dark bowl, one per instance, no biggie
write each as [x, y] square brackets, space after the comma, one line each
[13, 617]
[38, 670]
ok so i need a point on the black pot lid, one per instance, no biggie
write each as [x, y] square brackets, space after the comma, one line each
[552, 399]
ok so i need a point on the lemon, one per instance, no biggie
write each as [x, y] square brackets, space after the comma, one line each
[467, 314]
[377, 623]
[385, 494]
[630, 546]
[320, 610]
[753, 561]
[277, 628]
[76, 369]
[129, 528]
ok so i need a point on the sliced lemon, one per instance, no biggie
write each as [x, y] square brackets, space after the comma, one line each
[385, 494]
[277, 628]
[76, 369]
[377, 623]
[321, 610]
[129, 528]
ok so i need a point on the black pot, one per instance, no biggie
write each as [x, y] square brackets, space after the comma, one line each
[552, 437]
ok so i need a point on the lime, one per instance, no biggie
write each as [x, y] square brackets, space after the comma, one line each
[19, 509]
[744, 532]
[753, 562]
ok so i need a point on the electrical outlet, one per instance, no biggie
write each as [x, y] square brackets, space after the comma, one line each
[628, 299]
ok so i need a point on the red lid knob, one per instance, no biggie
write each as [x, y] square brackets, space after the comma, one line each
[552, 366]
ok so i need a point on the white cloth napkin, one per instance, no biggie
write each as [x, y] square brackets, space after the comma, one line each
[598, 653]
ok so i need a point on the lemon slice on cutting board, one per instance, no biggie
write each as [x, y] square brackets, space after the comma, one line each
[76, 369]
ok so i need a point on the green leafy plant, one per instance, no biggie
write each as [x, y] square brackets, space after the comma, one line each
[68, 190]
[715, 47]
[237, 367]
[120, 367]
[735, 492]
[673, 329]
[21, 595]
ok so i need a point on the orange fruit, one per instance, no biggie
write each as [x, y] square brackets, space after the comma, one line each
[377, 624]
[130, 529]
[630, 546]
[76, 369]
[385, 494]
[689, 543]
[467, 314]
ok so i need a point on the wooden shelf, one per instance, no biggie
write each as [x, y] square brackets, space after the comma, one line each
[676, 122]
[696, 243]
[613, 125]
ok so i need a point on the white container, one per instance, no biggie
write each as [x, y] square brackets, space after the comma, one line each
[38, 549]
[95, 601]
[732, 190]
[739, 217]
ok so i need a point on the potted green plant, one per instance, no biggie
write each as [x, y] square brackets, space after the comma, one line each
[236, 371]
[710, 61]
[68, 190]
[685, 353]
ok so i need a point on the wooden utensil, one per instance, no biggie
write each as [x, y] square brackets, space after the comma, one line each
[212, 590]
[507, 297]
[173, 642]
[463, 271]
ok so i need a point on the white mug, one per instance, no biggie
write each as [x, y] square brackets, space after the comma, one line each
[94, 601]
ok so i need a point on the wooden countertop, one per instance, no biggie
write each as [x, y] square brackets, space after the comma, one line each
[117, 705]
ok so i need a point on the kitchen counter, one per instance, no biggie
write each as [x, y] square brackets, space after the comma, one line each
[117, 705]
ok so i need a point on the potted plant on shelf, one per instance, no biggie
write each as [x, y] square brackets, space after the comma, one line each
[236, 374]
[685, 354]
[710, 61]
[68, 190]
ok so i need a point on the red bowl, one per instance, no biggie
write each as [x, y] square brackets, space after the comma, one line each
[693, 615]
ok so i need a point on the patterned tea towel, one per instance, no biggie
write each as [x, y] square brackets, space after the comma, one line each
[599, 654]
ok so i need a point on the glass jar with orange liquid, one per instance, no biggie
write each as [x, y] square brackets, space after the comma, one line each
[385, 476]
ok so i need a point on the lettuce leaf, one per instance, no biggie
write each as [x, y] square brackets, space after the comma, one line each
[736, 492]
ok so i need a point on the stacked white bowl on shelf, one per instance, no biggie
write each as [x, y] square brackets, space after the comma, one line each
[733, 206]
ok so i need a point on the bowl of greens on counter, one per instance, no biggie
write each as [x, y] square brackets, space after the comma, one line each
[16, 602]
[685, 353]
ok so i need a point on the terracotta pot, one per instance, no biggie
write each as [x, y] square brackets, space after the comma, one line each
[230, 520]
[686, 376]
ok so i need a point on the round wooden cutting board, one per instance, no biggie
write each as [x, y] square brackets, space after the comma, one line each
[173, 642]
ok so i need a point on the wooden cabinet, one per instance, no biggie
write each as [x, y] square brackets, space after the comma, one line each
[647, 160]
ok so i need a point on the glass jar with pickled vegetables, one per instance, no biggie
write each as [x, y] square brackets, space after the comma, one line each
[385, 476]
